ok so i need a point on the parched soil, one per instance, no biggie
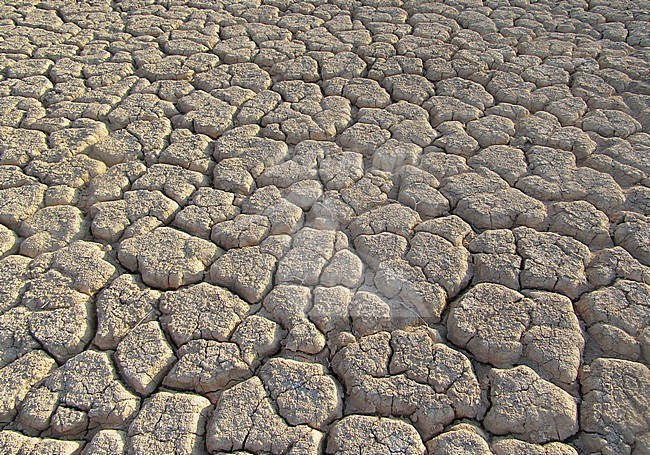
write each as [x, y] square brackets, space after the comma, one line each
[397, 227]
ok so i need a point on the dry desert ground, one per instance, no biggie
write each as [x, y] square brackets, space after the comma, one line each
[360, 227]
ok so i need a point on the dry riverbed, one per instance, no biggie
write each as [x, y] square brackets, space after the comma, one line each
[325, 227]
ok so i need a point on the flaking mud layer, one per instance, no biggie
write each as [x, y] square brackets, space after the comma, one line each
[325, 227]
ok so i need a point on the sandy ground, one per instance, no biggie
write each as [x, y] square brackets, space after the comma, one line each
[325, 227]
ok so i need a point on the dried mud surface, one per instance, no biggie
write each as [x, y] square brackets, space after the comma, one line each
[325, 227]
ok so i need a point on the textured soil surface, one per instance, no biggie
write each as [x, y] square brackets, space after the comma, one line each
[325, 227]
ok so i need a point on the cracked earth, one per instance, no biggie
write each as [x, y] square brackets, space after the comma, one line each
[325, 227]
